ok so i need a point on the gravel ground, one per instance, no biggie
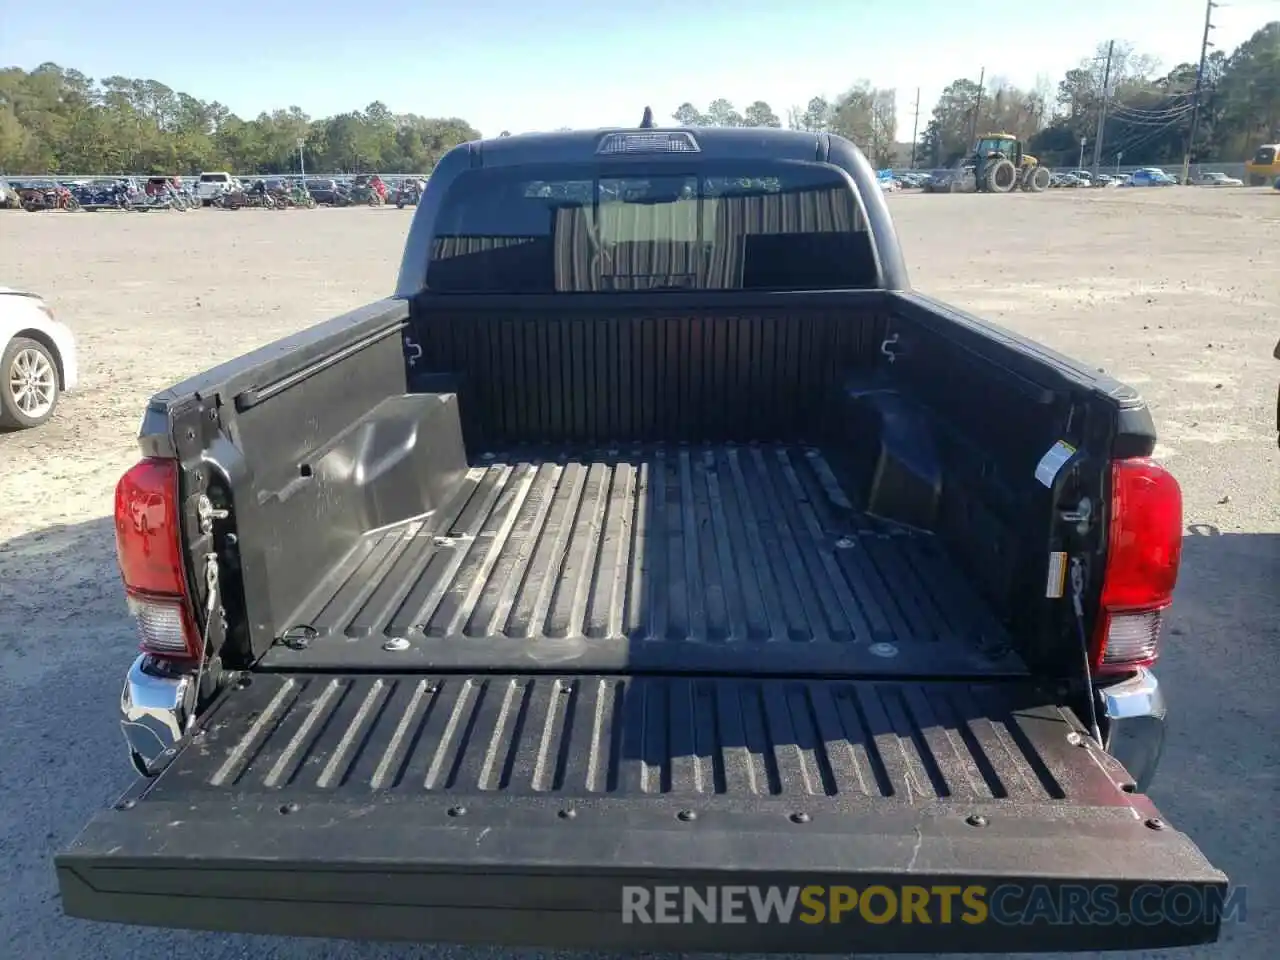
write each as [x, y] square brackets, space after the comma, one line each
[1174, 291]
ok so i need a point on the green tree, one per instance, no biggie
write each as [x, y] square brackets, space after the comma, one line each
[815, 117]
[867, 115]
[947, 135]
[56, 120]
[760, 114]
[687, 115]
[721, 113]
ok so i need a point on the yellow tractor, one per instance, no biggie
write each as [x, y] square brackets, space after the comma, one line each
[997, 165]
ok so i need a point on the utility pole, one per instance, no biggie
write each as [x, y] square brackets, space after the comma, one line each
[1083, 141]
[1102, 109]
[977, 107]
[915, 130]
[302, 161]
[1195, 101]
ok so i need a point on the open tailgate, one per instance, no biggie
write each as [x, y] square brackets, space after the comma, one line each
[517, 810]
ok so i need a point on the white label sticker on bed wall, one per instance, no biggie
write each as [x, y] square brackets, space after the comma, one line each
[1057, 580]
[1053, 462]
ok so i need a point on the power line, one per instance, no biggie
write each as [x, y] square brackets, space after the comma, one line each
[1172, 107]
[1195, 109]
[977, 107]
[1160, 121]
[1134, 142]
[1152, 121]
[915, 130]
[1138, 114]
[1102, 109]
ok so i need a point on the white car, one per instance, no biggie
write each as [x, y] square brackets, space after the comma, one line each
[37, 360]
[1216, 179]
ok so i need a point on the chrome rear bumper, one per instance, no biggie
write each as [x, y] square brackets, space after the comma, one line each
[154, 708]
[1135, 724]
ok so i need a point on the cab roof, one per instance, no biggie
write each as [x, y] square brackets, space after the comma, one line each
[713, 143]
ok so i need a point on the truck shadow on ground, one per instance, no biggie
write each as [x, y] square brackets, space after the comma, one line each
[1228, 592]
[61, 577]
[66, 639]
[1219, 670]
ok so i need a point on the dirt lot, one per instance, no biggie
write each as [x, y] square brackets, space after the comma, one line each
[1175, 291]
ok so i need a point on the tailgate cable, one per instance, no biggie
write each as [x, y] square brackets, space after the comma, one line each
[1077, 603]
[211, 606]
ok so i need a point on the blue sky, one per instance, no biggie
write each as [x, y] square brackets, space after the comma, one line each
[520, 65]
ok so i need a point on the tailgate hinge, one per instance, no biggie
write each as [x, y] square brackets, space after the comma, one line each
[1080, 516]
[206, 513]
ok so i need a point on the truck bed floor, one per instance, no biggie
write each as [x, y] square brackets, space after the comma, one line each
[678, 558]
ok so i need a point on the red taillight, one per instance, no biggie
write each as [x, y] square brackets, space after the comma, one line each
[149, 550]
[1143, 552]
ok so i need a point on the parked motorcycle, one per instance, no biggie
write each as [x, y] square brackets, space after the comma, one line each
[301, 196]
[162, 195]
[368, 190]
[408, 193]
[108, 195]
[256, 196]
[293, 194]
[46, 195]
[125, 195]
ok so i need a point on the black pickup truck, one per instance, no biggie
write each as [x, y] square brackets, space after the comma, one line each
[654, 570]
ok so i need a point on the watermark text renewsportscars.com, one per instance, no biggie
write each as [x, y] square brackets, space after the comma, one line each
[1005, 904]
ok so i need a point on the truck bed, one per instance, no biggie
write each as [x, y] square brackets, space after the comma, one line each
[668, 558]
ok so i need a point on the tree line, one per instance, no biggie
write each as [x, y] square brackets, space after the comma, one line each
[59, 120]
[865, 114]
[1145, 113]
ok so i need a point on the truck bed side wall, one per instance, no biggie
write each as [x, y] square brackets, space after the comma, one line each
[982, 407]
[320, 442]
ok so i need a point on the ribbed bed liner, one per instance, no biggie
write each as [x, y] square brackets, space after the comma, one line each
[679, 558]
